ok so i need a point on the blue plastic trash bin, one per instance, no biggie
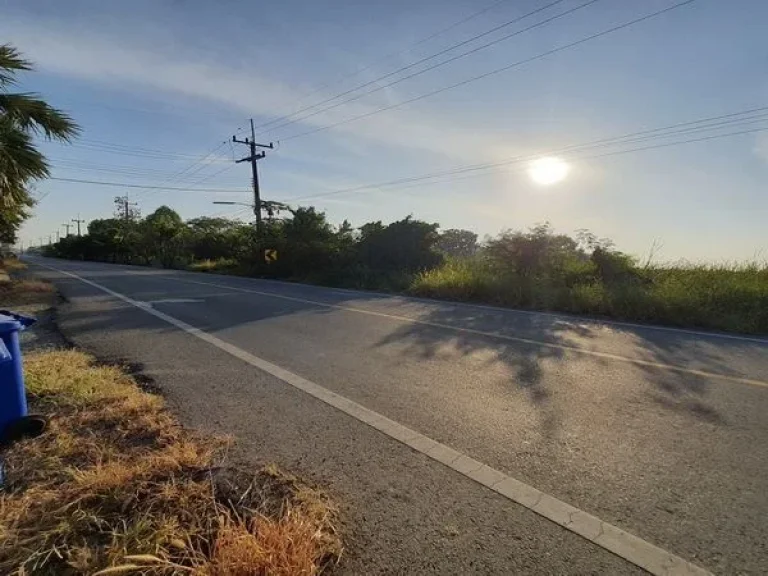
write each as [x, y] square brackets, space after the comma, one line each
[13, 399]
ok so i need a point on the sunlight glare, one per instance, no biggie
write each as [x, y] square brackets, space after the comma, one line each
[548, 170]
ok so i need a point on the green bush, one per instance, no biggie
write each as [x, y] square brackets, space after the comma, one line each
[459, 279]
[535, 269]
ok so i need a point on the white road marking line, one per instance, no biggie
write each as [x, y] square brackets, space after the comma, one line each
[625, 545]
[173, 301]
[571, 318]
[543, 343]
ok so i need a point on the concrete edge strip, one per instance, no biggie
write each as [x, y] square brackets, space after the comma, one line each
[529, 341]
[625, 545]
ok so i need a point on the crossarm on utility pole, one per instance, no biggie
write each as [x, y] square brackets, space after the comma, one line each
[253, 158]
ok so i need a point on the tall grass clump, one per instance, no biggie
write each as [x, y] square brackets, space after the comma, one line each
[460, 279]
[542, 270]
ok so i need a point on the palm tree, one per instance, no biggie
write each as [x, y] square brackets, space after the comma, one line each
[23, 116]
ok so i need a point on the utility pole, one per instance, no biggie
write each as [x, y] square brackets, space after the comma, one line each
[58, 236]
[125, 209]
[252, 158]
[49, 239]
[67, 226]
[78, 222]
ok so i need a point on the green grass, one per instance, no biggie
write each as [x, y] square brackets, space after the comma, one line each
[720, 297]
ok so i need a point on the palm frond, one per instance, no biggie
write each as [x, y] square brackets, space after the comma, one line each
[30, 113]
[11, 62]
[20, 162]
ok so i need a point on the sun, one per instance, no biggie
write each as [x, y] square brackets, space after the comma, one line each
[549, 170]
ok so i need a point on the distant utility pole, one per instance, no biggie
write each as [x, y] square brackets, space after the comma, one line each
[252, 158]
[67, 226]
[58, 235]
[78, 222]
[124, 209]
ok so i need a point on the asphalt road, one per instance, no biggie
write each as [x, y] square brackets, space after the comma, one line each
[658, 432]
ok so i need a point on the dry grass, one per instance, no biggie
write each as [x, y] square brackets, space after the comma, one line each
[18, 292]
[116, 486]
[222, 266]
[12, 264]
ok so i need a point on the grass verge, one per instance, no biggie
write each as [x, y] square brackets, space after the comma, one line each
[117, 486]
[731, 298]
[16, 291]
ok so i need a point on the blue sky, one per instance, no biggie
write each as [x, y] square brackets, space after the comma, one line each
[181, 76]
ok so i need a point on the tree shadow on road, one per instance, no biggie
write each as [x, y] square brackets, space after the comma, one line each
[530, 344]
[526, 344]
[685, 393]
[448, 331]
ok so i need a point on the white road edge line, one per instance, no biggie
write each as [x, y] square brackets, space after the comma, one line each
[543, 343]
[625, 545]
[596, 321]
[566, 317]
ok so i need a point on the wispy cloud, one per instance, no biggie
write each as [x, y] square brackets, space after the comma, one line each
[761, 146]
[135, 64]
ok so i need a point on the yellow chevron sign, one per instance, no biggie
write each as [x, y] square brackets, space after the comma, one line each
[270, 255]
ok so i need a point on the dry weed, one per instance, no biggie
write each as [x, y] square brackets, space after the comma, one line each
[116, 486]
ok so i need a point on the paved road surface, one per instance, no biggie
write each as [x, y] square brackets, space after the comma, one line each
[661, 433]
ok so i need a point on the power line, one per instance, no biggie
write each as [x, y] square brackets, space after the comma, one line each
[668, 144]
[389, 56]
[140, 172]
[496, 70]
[136, 175]
[210, 176]
[216, 149]
[126, 185]
[69, 162]
[107, 144]
[715, 122]
[421, 61]
[442, 63]
[135, 152]
[178, 176]
[370, 188]
[626, 138]
[121, 170]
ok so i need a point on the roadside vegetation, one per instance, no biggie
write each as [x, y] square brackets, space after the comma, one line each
[536, 268]
[533, 269]
[15, 291]
[116, 486]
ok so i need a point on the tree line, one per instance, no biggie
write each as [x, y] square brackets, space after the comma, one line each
[537, 268]
[307, 245]
[375, 255]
